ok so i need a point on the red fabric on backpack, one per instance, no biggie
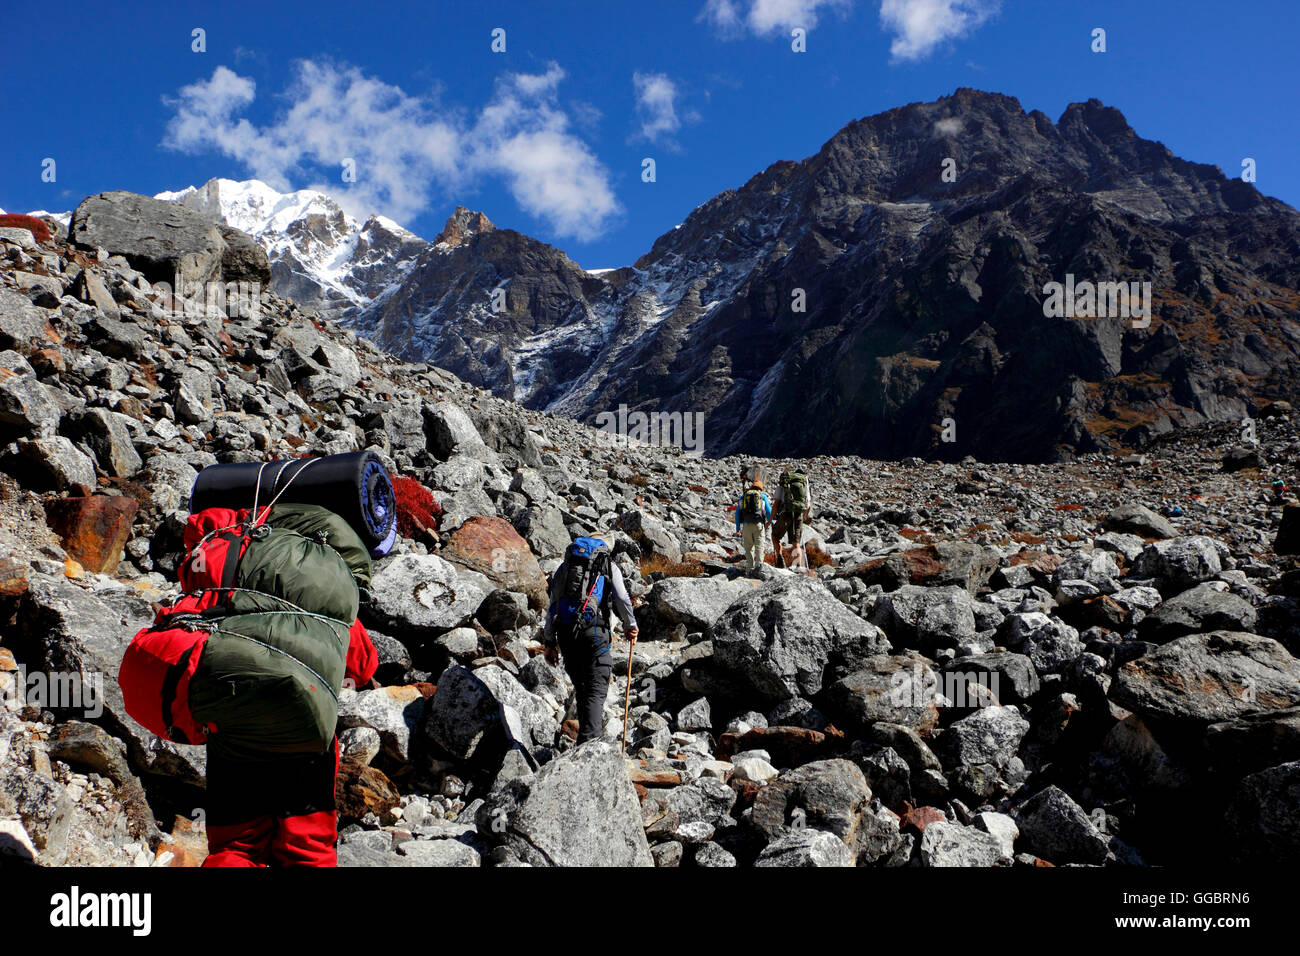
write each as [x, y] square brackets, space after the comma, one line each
[363, 659]
[153, 657]
[148, 674]
[151, 674]
[155, 652]
[204, 567]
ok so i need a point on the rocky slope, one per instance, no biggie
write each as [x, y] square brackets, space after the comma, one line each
[1087, 663]
[922, 296]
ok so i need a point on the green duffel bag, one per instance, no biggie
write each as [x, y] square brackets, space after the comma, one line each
[272, 666]
[324, 525]
[269, 683]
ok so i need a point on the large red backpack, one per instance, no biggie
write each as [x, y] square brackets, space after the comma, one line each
[160, 663]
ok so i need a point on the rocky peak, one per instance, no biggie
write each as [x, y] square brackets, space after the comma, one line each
[1105, 122]
[461, 225]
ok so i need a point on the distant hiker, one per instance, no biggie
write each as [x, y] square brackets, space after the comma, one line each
[753, 516]
[793, 504]
[584, 588]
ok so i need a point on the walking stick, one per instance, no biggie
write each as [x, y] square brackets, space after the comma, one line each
[627, 694]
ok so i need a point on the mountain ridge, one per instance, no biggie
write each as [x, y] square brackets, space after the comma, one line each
[922, 293]
[898, 266]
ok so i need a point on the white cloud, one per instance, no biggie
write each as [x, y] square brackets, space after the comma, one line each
[723, 14]
[921, 25]
[763, 17]
[406, 148]
[524, 137]
[950, 126]
[656, 105]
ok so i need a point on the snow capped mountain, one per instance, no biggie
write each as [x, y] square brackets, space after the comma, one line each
[320, 256]
[63, 218]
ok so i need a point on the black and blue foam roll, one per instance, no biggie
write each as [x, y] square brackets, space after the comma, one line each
[354, 486]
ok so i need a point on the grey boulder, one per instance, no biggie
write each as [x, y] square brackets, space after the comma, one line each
[790, 638]
[1055, 828]
[950, 844]
[578, 810]
[415, 593]
[1206, 678]
[1209, 606]
[696, 602]
[927, 618]
[806, 848]
[1178, 563]
[157, 238]
[1139, 520]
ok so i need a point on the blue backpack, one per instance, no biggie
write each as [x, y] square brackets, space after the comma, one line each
[584, 590]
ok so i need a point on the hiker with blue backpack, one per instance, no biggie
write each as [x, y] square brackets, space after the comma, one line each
[584, 589]
[753, 515]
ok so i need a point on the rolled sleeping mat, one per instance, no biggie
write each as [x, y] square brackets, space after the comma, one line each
[354, 486]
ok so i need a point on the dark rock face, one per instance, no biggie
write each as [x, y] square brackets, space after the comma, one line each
[446, 313]
[1256, 741]
[1265, 815]
[859, 289]
[243, 260]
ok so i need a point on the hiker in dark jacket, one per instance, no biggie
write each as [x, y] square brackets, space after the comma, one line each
[584, 589]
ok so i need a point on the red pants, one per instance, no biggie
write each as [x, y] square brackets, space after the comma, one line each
[276, 812]
[306, 840]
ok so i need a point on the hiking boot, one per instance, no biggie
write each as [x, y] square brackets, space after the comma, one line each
[780, 561]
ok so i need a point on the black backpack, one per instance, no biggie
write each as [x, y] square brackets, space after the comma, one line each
[751, 507]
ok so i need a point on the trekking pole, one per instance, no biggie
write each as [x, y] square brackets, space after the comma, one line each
[627, 694]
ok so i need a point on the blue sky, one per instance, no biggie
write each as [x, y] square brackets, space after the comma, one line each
[549, 137]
